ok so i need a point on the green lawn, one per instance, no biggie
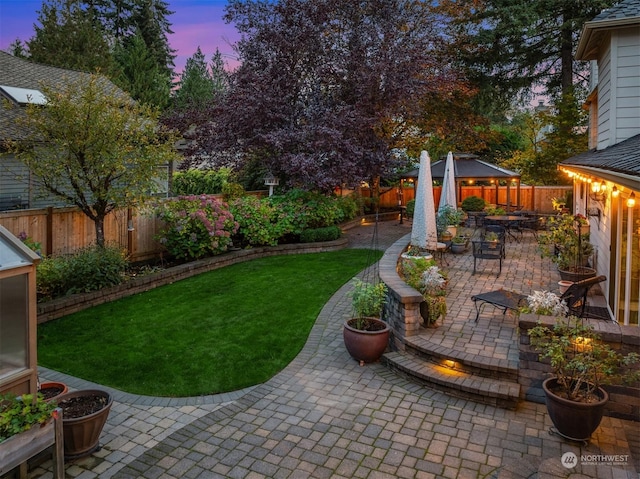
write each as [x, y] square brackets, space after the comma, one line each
[219, 331]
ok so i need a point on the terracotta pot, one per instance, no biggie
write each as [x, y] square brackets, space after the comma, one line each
[564, 285]
[81, 434]
[47, 390]
[574, 420]
[366, 346]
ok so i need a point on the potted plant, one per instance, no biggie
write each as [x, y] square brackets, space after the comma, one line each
[567, 243]
[448, 219]
[365, 335]
[85, 413]
[426, 277]
[459, 244]
[581, 365]
[27, 427]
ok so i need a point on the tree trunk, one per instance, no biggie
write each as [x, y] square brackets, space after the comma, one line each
[99, 224]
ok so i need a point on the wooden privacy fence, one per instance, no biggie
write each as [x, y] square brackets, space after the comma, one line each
[532, 198]
[65, 230]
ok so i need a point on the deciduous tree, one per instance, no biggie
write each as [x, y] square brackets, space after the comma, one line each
[93, 147]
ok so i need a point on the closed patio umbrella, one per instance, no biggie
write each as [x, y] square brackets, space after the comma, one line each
[423, 232]
[448, 194]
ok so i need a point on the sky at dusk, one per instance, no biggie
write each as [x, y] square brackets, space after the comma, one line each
[194, 23]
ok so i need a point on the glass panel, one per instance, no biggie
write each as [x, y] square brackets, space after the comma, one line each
[629, 267]
[10, 257]
[14, 324]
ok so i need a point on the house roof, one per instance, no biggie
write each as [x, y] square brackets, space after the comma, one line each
[20, 73]
[622, 15]
[619, 162]
[467, 167]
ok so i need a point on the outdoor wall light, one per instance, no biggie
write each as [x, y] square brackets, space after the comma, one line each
[598, 191]
[614, 192]
[631, 201]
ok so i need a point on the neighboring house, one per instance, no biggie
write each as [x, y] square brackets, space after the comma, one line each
[607, 177]
[20, 83]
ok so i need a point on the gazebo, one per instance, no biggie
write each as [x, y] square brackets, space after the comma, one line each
[470, 169]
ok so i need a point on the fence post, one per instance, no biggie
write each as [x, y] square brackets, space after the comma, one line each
[49, 249]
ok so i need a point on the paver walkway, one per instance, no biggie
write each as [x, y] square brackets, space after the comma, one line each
[326, 417]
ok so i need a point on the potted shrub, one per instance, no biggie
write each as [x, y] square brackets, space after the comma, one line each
[567, 243]
[448, 219]
[85, 413]
[426, 277]
[27, 427]
[581, 364]
[365, 335]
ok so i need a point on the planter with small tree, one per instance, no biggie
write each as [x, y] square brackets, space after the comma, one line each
[567, 244]
[581, 365]
[366, 336]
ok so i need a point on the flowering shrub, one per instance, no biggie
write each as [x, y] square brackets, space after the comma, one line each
[303, 210]
[259, 222]
[195, 226]
[29, 243]
[545, 302]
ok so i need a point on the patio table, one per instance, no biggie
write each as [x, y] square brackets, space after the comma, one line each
[500, 298]
[509, 222]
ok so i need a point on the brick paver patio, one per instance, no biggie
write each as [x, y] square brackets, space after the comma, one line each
[324, 416]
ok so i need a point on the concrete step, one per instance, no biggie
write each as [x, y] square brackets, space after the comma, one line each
[488, 367]
[485, 390]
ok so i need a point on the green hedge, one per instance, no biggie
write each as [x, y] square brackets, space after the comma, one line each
[328, 233]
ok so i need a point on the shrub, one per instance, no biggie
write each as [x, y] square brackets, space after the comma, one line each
[89, 269]
[304, 209]
[195, 226]
[411, 208]
[231, 191]
[258, 221]
[348, 206]
[473, 203]
[328, 233]
[200, 182]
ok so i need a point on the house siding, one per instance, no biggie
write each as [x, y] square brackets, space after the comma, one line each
[604, 99]
[619, 107]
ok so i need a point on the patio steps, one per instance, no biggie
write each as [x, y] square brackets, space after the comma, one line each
[485, 380]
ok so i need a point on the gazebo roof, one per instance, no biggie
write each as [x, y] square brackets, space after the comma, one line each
[467, 167]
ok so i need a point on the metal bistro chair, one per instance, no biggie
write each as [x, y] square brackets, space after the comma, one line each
[576, 299]
[502, 235]
[488, 250]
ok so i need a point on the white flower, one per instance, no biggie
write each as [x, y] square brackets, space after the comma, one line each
[432, 280]
[546, 302]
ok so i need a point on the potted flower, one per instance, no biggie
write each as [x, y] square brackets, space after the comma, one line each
[365, 335]
[581, 365]
[426, 277]
[567, 243]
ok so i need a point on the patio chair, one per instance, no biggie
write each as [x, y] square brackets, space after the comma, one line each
[502, 236]
[488, 250]
[576, 299]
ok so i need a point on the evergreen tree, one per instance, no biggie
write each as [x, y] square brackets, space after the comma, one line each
[139, 73]
[70, 36]
[196, 87]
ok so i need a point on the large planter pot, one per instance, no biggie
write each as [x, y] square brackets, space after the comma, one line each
[458, 248]
[81, 434]
[366, 346]
[577, 274]
[574, 420]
